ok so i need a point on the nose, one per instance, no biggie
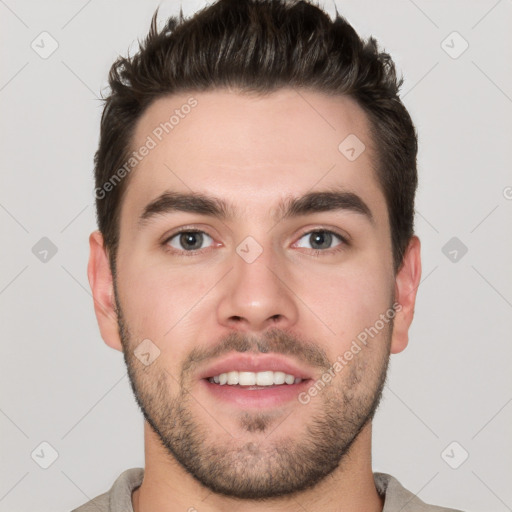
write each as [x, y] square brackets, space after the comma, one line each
[257, 295]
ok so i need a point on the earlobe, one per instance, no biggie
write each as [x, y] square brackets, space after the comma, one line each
[407, 281]
[102, 287]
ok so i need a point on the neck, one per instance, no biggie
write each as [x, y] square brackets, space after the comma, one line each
[167, 487]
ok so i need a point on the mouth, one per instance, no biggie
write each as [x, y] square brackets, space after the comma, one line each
[255, 390]
[262, 379]
[256, 381]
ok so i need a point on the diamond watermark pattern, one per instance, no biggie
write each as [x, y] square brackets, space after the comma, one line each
[44, 455]
[454, 45]
[454, 455]
[44, 250]
[249, 250]
[44, 45]
[146, 352]
[351, 147]
[454, 250]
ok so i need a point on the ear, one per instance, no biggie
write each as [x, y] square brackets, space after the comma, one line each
[407, 281]
[102, 286]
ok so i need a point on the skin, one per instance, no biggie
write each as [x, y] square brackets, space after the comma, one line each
[252, 151]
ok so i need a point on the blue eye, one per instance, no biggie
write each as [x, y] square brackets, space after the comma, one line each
[188, 240]
[321, 240]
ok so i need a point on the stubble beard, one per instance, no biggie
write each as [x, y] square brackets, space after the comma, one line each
[270, 465]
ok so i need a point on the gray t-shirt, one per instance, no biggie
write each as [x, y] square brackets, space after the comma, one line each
[119, 498]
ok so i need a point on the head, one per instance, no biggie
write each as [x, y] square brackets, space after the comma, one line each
[255, 183]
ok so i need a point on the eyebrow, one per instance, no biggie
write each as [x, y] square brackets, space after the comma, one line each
[290, 207]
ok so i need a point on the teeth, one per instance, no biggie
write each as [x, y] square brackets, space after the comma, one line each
[289, 379]
[233, 378]
[266, 378]
[246, 378]
[279, 377]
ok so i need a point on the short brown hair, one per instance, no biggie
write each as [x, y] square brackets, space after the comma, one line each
[260, 46]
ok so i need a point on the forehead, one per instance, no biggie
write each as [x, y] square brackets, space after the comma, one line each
[252, 149]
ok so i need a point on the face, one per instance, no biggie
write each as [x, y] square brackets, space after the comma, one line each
[251, 246]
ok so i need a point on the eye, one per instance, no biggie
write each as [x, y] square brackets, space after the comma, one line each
[321, 239]
[188, 241]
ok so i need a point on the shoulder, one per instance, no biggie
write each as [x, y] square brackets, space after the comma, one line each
[119, 497]
[398, 498]
[98, 504]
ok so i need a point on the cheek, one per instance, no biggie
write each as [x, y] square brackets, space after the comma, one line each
[157, 301]
[349, 300]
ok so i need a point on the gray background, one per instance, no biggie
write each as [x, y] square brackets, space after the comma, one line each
[60, 383]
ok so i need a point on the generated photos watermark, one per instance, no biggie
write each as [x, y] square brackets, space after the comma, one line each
[151, 142]
[342, 360]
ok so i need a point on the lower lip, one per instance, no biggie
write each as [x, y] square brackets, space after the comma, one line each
[271, 396]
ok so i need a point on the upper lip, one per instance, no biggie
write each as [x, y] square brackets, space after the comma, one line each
[255, 363]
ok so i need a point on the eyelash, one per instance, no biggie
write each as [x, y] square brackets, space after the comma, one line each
[319, 252]
[173, 251]
[314, 252]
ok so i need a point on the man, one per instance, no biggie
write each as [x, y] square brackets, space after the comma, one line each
[255, 260]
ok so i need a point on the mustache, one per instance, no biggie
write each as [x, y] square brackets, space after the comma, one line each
[277, 341]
